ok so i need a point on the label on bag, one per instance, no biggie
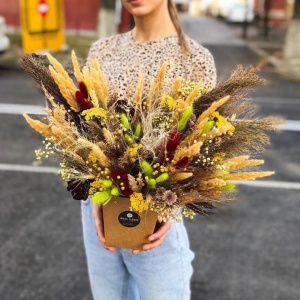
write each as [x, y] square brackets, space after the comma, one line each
[129, 219]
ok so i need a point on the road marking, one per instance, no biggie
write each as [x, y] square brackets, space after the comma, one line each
[270, 184]
[258, 183]
[19, 109]
[26, 168]
[273, 100]
[290, 125]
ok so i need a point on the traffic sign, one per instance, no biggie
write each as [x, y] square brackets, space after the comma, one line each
[43, 8]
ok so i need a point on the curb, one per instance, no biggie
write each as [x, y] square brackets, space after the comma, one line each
[270, 58]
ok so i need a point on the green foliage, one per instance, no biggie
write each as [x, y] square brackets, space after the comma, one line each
[185, 118]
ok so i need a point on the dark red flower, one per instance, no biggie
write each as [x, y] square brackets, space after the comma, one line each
[118, 173]
[83, 89]
[127, 191]
[182, 162]
[83, 103]
[173, 141]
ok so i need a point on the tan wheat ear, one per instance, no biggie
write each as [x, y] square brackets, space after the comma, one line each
[139, 89]
[76, 67]
[43, 129]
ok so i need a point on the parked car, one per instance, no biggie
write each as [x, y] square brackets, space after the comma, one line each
[232, 10]
[4, 41]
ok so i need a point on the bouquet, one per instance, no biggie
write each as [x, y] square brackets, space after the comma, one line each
[176, 149]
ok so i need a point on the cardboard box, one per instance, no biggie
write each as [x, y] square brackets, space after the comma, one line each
[124, 228]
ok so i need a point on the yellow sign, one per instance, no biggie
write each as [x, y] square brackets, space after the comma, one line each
[42, 25]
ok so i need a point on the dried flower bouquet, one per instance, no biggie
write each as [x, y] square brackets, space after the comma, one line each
[174, 149]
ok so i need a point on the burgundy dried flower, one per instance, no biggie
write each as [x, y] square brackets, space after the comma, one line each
[127, 191]
[83, 89]
[173, 141]
[169, 197]
[83, 103]
[118, 173]
[182, 162]
[122, 176]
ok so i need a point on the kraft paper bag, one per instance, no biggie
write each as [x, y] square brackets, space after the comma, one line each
[124, 228]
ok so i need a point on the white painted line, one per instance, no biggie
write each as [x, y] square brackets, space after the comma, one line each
[25, 168]
[270, 184]
[290, 125]
[275, 100]
[19, 109]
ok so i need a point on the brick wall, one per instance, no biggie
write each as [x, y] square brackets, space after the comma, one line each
[79, 15]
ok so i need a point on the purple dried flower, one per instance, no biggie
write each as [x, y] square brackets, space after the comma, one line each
[169, 197]
[192, 122]
[160, 192]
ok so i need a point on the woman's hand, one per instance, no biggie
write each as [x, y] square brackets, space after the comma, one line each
[98, 217]
[157, 238]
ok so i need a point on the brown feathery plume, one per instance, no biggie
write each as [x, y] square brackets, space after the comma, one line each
[43, 129]
[213, 107]
[100, 85]
[248, 135]
[211, 184]
[202, 208]
[157, 83]
[58, 67]
[101, 156]
[180, 176]
[240, 81]
[64, 139]
[194, 93]
[248, 175]
[139, 89]
[109, 137]
[67, 89]
[94, 98]
[64, 82]
[246, 164]
[42, 76]
[235, 160]
[189, 152]
[176, 87]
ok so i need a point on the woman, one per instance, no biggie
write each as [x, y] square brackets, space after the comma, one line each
[165, 271]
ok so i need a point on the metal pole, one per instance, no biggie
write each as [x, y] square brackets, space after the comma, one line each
[245, 23]
[266, 19]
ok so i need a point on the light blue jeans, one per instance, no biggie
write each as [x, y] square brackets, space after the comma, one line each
[158, 274]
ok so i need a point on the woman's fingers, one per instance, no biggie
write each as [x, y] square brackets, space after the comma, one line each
[157, 238]
[98, 217]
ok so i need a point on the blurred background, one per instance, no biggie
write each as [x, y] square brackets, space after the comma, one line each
[247, 250]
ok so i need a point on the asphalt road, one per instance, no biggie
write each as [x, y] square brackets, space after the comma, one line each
[248, 250]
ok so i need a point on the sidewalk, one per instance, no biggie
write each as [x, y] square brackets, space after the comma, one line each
[269, 47]
[212, 31]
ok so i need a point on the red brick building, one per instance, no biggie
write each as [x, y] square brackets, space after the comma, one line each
[79, 15]
[279, 11]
